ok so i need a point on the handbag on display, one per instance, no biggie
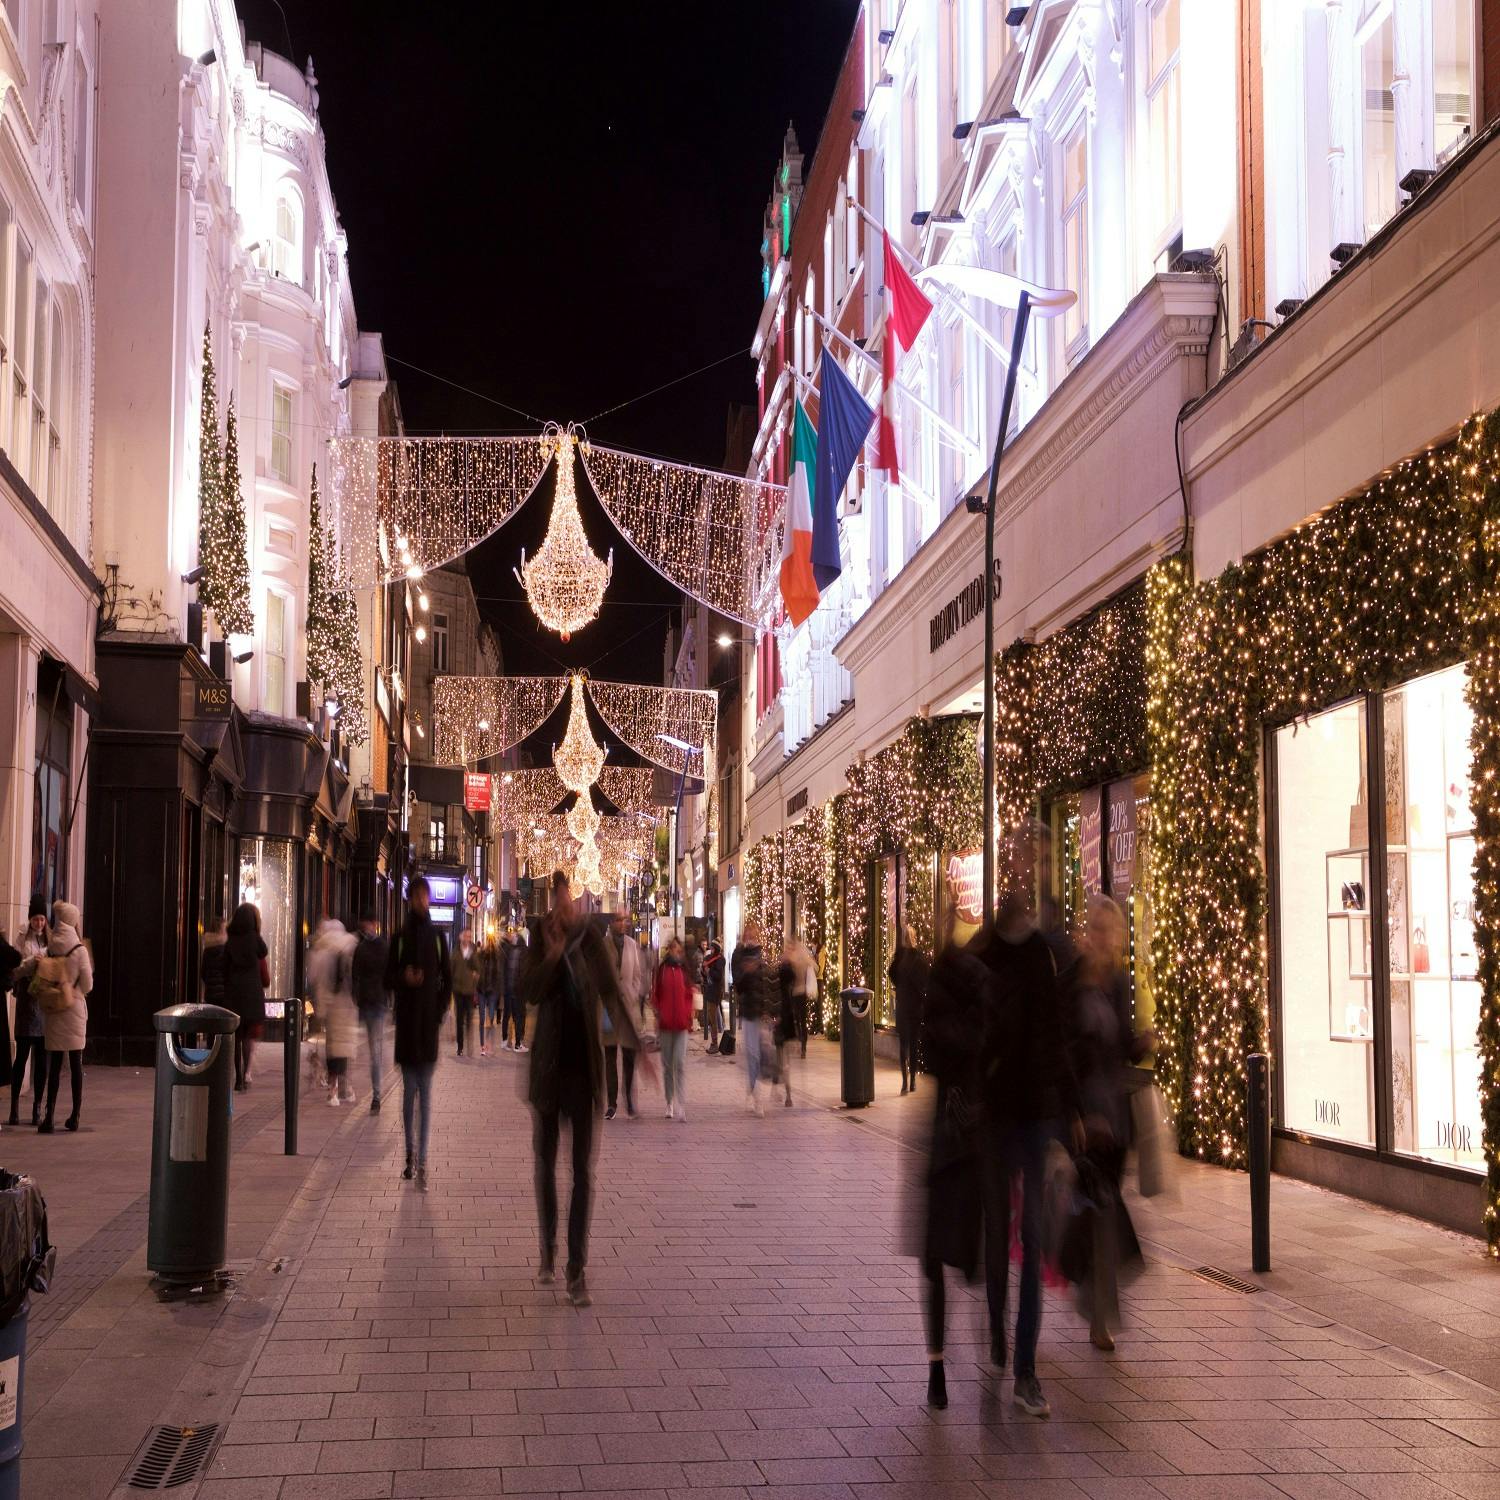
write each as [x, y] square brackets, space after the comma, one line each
[1352, 895]
[1421, 955]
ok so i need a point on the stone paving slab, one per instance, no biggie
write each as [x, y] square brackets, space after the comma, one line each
[756, 1331]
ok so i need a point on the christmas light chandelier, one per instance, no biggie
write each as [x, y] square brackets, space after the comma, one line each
[565, 581]
[579, 758]
[583, 819]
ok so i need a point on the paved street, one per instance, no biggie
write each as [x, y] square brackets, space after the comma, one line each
[753, 1329]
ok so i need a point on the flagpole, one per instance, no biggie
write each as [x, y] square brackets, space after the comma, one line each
[950, 300]
[969, 445]
[1023, 314]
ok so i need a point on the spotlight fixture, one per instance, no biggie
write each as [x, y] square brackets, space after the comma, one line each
[1016, 14]
[725, 639]
[1287, 306]
[1416, 179]
[347, 381]
[422, 602]
[252, 247]
[196, 575]
[207, 59]
[1345, 251]
[421, 634]
[243, 657]
[331, 707]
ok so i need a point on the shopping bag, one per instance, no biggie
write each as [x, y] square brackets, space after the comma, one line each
[1155, 1143]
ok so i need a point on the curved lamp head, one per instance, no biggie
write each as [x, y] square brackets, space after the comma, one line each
[1000, 287]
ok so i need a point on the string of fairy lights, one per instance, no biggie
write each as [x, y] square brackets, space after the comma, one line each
[566, 580]
[474, 718]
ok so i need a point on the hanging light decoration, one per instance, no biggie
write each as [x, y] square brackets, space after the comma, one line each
[565, 581]
[579, 758]
[583, 819]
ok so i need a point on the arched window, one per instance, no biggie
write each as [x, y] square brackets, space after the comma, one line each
[286, 238]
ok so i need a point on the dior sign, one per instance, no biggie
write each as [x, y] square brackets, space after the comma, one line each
[963, 609]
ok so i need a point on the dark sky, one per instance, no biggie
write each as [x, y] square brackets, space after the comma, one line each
[559, 205]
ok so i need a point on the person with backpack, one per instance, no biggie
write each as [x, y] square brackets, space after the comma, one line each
[418, 971]
[248, 970]
[61, 985]
[27, 1027]
[330, 984]
[465, 988]
[369, 996]
[672, 998]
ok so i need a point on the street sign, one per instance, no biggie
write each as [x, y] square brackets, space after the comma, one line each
[477, 788]
[475, 896]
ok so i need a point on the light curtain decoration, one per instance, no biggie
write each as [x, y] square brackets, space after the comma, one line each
[658, 722]
[628, 787]
[439, 495]
[521, 797]
[583, 819]
[475, 717]
[580, 757]
[566, 580]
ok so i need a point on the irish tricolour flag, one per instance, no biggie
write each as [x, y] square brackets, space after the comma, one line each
[799, 589]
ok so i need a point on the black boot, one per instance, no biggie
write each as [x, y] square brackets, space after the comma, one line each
[45, 1128]
[937, 1385]
[36, 1111]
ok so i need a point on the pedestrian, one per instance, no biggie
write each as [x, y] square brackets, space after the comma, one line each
[465, 988]
[948, 1216]
[27, 1027]
[61, 985]
[513, 1022]
[672, 999]
[418, 972]
[803, 988]
[330, 984]
[489, 991]
[248, 976]
[1028, 1092]
[10, 961]
[784, 1023]
[754, 996]
[213, 963]
[370, 955]
[1105, 1047]
[713, 993]
[908, 973]
[628, 959]
[570, 979]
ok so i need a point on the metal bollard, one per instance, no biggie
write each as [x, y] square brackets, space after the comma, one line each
[291, 1068]
[1258, 1113]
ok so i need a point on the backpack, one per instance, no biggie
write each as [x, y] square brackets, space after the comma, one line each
[726, 1044]
[51, 988]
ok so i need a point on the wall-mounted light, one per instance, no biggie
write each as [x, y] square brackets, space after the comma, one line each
[243, 657]
[331, 707]
[421, 633]
[422, 601]
[346, 382]
[196, 575]
[207, 59]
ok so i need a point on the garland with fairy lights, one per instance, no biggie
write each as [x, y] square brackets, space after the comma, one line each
[223, 542]
[320, 608]
[1398, 581]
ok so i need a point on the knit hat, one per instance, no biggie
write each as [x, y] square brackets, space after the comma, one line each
[65, 914]
[38, 907]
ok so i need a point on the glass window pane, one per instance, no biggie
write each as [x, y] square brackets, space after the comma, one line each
[1452, 73]
[21, 309]
[1377, 65]
[1324, 919]
[268, 881]
[276, 623]
[1435, 989]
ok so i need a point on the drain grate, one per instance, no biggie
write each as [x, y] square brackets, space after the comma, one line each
[172, 1456]
[1223, 1279]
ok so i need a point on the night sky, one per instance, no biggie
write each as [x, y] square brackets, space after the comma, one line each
[559, 206]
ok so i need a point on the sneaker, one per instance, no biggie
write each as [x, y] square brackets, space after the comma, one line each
[578, 1291]
[505, 1046]
[750, 1103]
[998, 1352]
[681, 1114]
[374, 1104]
[1029, 1397]
[760, 1110]
[609, 1114]
[788, 1101]
[520, 1047]
[334, 1101]
[422, 1178]
[545, 1275]
[406, 1171]
[671, 1111]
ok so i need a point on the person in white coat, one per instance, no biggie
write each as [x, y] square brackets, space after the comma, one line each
[330, 983]
[66, 1030]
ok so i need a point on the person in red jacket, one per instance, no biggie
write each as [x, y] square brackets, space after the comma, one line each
[672, 996]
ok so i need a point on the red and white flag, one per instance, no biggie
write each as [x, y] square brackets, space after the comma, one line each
[909, 311]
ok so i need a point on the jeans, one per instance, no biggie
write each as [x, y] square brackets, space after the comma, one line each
[612, 1076]
[1011, 1147]
[514, 1018]
[576, 1102]
[712, 1023]
[375, 1039]
[750, 1034]
[463, 1020]
[486, 1014]
[416, 1081]
[54, 1078]
[674, 1067]
[35, 1048]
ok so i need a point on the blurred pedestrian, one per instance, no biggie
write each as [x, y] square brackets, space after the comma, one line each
[513, 1021]
[755, 997]
[1028, 1092]
[418, 971]
[804, 988]
[213, 963]
[61, 984]
[370, 956]
[330, 985]
[908, 973]
[248, 977]
[570, 979]
[27, 1027]
[713, 993]
[948, 1209]
[621, 1026]
[672, 1000]
[490, 983]
[789, 1007]
[1105, 1047]
[465, 988]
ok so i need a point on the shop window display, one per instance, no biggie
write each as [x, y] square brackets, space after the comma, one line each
[268, 881]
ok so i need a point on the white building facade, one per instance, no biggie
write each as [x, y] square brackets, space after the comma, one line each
[48, 591]
[1330, 165]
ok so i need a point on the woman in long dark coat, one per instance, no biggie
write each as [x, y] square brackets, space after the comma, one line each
[246, 976]
[946, 1229]
[909, 972]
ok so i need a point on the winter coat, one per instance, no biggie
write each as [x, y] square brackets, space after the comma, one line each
[330, 984]
[628, 951]
[420, 1006]
[213, 971]
[754, 984]
[369, 974]
[673, 996]
[909, 971]
[28, 1020]
[713, 973]
[582, 973]
[245, 995]
[512, 951]
[465, 973]
[67, 1030]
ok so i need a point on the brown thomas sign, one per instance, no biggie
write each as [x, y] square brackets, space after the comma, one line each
[965, 607]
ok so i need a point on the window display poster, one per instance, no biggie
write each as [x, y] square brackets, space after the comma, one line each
[1122, 839]
[1091, 839]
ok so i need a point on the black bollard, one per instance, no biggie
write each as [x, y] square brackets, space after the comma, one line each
[1258, 1087]
[291, 1060]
